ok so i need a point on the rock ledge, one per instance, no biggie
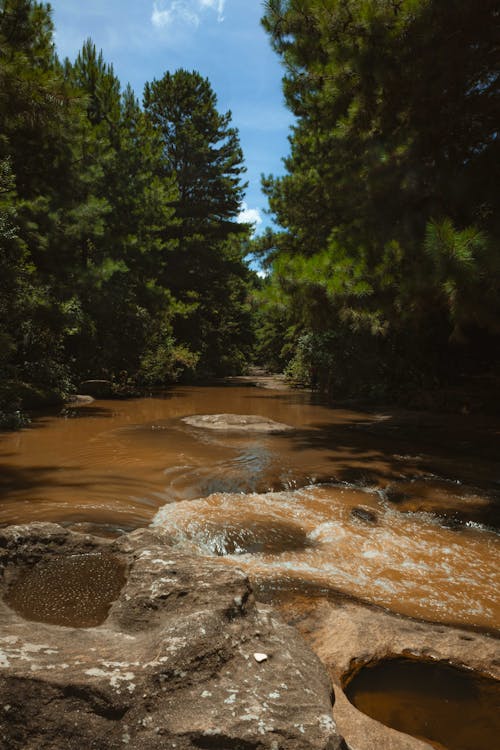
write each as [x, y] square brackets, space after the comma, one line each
[172, 666]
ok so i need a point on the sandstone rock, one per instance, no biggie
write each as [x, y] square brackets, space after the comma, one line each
[236, 422]
[79, 399]
[346, 635]
[171, 666]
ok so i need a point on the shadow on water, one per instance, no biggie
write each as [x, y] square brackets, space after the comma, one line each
[354, 458]
[89, 411]
[13, 478]
[454, 505]
[27, 495]
[41, 419]
[420, 466]
[93, 410]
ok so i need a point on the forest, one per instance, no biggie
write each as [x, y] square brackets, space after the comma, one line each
[121, 256]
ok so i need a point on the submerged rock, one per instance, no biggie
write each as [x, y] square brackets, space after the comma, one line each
[365, 515]
[172, 666]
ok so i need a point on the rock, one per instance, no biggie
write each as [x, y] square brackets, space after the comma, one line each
[260, 657]
[79, 399]
[346, 635]
[365, 515]
[236, 422]
[171, 666]
[96, 388]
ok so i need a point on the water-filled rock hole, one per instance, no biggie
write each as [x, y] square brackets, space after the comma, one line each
[74, 590]
[447, 706]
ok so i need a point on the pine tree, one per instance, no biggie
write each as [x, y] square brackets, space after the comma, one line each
[201, 149]
[391, 141]
[37, 112]
[206, 273]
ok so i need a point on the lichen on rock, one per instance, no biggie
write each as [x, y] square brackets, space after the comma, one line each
[171, 666]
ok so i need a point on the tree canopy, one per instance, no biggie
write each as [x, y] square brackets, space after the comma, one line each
[389, 207]
[120, 252]
[121, 255]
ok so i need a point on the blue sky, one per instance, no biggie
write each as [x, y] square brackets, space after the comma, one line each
[222, 39]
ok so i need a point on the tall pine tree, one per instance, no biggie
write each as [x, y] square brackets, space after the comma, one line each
[206, 273]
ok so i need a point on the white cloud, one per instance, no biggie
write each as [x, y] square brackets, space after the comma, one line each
[188, 12]
[217, 5]
[249, 216]
[166, 14]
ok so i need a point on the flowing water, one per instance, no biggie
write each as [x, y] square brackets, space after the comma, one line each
[393, 508]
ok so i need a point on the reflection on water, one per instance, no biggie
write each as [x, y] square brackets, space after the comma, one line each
[445, 705]
[405, 515]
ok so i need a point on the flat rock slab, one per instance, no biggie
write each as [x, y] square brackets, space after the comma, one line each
[172, 666]
[236, 423]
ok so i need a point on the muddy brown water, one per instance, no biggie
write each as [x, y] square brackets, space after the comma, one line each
[447, 706]
[397, 509]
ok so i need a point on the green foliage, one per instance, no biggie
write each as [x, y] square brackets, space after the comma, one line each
[465, 271]
[120, 254]
[200, 149]
[13, 420]
[206, 273]
[389, 204]
[165, 361]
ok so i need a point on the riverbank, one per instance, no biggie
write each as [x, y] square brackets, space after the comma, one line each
[478, 395]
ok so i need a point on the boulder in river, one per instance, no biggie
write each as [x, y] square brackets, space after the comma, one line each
[236, 423]
[170, 663]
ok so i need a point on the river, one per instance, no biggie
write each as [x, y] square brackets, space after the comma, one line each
[393, 508]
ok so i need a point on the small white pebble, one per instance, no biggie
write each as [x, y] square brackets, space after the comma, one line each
[260, 657]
